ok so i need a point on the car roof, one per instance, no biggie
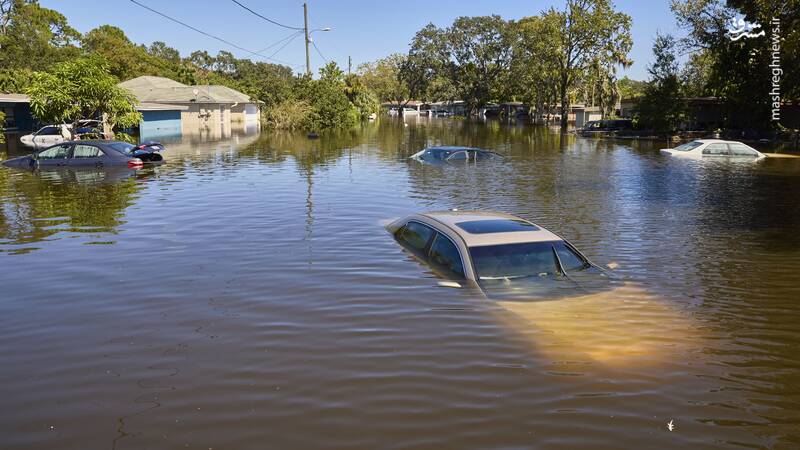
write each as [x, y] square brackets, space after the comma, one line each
[454, 148]
[454, 219]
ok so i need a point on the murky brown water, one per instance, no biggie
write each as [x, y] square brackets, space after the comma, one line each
[245, 296]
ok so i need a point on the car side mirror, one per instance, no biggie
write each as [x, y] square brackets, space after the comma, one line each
[450, 284]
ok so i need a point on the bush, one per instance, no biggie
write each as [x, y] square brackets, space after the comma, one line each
[289, 114]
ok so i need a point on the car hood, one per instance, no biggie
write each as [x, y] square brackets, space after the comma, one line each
[547, 288]
[19, 162]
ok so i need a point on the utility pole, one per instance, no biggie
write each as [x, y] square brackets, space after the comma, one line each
[305, 26]
[349, 64]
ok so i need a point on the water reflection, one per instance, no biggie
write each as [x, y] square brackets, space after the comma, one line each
[248, 291]
[45, 203]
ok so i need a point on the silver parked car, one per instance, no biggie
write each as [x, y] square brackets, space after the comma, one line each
[503, 255]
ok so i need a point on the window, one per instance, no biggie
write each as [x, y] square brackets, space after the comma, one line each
[738, 149]
[86, 151]
[529, 259]
[57, 152]
[49, 131]
[716, 150]
[570, 260]
[415, 236]
[496, 226]
[445, 257]
[122, 147]
[688, 146]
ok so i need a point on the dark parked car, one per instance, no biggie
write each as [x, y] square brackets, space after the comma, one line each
[606, 126]
[90, 154]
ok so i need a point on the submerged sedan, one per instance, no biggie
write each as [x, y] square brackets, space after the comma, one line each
[714, 148]
[89, 154]
[448, 154]
[504, 255]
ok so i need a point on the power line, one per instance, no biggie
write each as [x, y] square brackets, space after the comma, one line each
[290, 37]
[266, 18]
[250, 52]
[287, 43]
[319, 52]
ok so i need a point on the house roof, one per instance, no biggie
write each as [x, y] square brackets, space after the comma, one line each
[148, 106]
[149, 89]
[14, 98]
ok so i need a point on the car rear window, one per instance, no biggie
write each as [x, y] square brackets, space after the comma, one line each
[496, 226]
[122, 147]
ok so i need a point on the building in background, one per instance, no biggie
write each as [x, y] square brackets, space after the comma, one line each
[170, 108]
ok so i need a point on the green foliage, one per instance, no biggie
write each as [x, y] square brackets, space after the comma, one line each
[289, 114]
[738, 72]
[363, 99]
[330, 107]
[78, 89]
[472, 55]
[662, 107]
[629, 88]
[34, 37]
[2, 127]
[127, 60]
[14, 80]
[383, 78]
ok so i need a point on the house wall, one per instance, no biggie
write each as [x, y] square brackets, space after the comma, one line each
[160, 124]
[245, 113]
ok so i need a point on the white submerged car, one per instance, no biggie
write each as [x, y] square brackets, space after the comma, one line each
[56, 134]
[714, 148]
[502, 255]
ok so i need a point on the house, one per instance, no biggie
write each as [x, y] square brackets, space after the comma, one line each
[583, 114]
[170, 108]
[17, 108]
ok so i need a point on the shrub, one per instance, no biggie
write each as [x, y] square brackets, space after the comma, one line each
[289, 114]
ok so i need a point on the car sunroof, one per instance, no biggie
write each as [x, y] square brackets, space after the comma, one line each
[496, 226]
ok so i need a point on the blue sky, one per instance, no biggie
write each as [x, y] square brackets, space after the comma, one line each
[364, 30]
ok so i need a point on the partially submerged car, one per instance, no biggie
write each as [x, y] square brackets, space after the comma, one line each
[56, 134]
[714, 148]
[90, 154]
[449, 154]
[506, 257]
[605, 126]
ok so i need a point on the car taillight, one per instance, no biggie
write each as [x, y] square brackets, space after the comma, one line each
[135, 162]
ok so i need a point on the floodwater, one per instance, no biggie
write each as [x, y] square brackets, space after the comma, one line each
[245, 296]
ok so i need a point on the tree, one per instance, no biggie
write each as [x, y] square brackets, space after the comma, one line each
[79, 89]
[330, 107]
[662, 107]
[586, 33]
[629, 88]
[534, 70]
[161, 50]
[738, 72]
[383, 78]
[2, 127]
[34, 37]
[473, 55]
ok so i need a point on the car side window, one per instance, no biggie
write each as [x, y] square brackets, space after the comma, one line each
[415, 236]
[57, 152]
[570, 261]
[742, 150]
[445, 257]
[49, 131]
[716, 150]
[86, 151]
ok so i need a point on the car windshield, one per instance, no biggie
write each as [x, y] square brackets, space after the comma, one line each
[523, 260]
[122, 147]
[688, 146]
